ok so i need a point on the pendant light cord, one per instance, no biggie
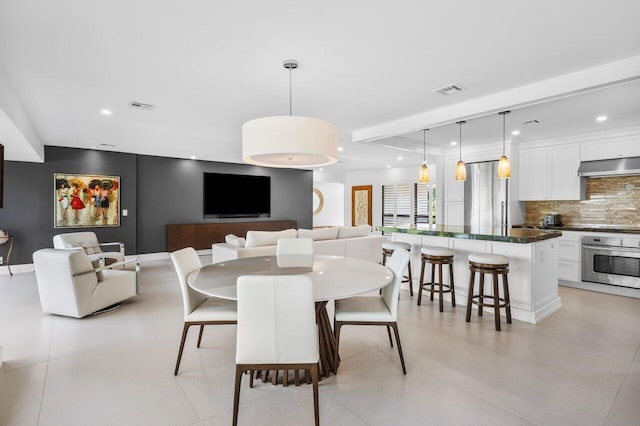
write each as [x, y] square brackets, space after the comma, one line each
[504, 118]
[424, 146]
[290, 95]
[460, 141]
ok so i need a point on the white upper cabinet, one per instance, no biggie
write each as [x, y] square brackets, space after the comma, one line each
[549, 173]
[619, 147]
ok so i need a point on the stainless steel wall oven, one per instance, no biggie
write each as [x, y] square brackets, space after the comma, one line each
[611, 260]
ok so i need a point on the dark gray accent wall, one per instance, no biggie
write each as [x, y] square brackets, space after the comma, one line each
[29, 198]
[170, 191]
[156, 191]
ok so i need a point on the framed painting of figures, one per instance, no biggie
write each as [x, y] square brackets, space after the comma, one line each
[86, 200]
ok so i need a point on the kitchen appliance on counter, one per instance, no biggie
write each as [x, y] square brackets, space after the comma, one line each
[486, 196]
[551, 220]
[611, 260]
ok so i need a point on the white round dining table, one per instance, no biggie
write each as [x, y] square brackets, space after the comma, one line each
[333, 277]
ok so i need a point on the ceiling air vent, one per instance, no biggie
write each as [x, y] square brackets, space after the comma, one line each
[140, 105]
[530, 122]
[448, 90]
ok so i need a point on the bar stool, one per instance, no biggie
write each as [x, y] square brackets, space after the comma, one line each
[387, 250]
[495, 265]
[437, 256]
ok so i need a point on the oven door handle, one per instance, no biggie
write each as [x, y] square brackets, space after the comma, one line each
[612, 248]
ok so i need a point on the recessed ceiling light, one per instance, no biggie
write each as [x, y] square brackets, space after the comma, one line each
[388, 166]
[515, 132]
[399, 158]
[454, 143]
[321, 169]
[601, 118]
[105, 112]
[340, 148]
[193, 157]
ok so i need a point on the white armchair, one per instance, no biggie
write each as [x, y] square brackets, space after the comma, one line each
[69, 285]
[89, 243]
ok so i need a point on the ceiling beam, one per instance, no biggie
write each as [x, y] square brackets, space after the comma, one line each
[618, 72]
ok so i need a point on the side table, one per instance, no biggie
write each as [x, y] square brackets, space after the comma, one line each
[10, 241]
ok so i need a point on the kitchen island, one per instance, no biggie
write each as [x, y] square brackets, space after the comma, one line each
[533, 270]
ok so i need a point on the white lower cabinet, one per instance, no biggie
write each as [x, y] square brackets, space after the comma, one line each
[569, 256]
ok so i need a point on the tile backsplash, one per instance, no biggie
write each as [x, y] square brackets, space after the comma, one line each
[609, 201]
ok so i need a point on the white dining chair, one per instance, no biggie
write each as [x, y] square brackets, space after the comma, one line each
[375, 310]
[199, 309]
[294, 252]
[274, 333]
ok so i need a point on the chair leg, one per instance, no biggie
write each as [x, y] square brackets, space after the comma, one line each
[410, 279]
[481, 298]
[236, 394]
[421, 283]
[507, 300]
[185, 329]
[389, 333]
[440, 295]
[316, 406]
[200, 335]
[472, 277]
[336, 329]
[433, 278]
[452, 286]
[395, 329]
[251, 374]
[496, 302]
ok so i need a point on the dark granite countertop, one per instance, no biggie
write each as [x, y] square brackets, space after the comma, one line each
[510, 235]
[583, 228]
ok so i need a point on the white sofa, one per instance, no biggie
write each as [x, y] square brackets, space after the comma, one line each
[355, 242]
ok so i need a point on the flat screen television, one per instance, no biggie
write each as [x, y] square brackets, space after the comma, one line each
[228, 195]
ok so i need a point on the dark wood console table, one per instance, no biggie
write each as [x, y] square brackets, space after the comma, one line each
[202, 235]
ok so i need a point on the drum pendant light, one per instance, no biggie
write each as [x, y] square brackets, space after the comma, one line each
[289, 141]
[461, 169]
[504, 167]
[424, 170]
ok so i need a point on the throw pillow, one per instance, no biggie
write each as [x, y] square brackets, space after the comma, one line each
[234, 240]
[268, 238]
[97, 264]
[354, 231]
[319, 234]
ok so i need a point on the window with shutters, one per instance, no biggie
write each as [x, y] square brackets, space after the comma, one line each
[425, 205]
[409, 204]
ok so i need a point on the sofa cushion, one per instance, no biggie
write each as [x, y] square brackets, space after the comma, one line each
[234, 240]
[319, 234]
[268, 238]
[354, 231]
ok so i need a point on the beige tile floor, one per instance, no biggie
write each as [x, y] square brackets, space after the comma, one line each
[580, 366]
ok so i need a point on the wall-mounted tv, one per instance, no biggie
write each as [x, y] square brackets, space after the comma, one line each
[227, 195]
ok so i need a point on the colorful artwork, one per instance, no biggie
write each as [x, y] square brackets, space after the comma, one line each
[86, 200]
[361, 205]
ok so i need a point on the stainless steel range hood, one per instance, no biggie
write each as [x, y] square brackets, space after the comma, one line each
[613, 167]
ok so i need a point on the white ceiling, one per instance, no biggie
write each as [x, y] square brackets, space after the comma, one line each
[210, 66]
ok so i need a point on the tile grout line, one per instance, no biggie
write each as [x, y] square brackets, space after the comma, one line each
[46, 371]
[635, 355]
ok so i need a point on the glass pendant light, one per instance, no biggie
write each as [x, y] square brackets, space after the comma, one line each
[461, 169]
[504, 166]
[424, 170]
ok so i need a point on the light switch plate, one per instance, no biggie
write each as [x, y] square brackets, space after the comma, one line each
[125, 212]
